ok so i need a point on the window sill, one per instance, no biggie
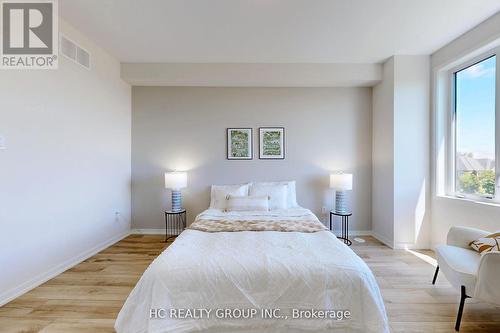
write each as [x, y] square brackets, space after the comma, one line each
[490, 203]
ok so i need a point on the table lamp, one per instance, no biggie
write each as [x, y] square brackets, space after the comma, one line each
[341, 182]
[175, 181]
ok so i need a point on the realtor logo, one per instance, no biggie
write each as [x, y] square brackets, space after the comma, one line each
[29, 34]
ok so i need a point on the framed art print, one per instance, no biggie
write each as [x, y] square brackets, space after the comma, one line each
[239, 144]
[272, 143]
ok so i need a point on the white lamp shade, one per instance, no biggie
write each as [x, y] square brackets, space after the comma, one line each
[175, 180]
[341, 181]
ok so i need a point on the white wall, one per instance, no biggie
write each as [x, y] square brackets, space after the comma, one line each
[383, 156]
[251, 74]
[326, 129]
[447, 211]
[411, 151]
[400, 200]
[66, 169]
[480, 36]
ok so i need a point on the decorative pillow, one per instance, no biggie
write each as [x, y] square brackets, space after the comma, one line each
[277, 194]
[247, 203]
[219, 193]
[487, 244]
[291, 194]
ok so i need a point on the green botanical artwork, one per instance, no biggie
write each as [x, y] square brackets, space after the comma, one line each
[271, 143]
[239, 143]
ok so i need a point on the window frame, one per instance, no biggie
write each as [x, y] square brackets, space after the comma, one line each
[450, 166]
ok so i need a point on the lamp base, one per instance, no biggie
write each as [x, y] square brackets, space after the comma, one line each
[176, 201]
[341, 202]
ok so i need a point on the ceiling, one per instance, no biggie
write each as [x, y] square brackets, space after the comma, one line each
[273, 31]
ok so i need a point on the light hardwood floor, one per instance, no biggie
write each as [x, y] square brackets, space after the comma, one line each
[88, 297]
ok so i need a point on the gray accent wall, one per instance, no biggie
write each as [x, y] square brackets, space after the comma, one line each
[184, 128]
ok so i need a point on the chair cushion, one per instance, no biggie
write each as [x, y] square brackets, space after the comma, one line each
[459, 265]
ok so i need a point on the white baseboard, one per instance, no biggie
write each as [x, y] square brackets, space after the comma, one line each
[383, 239]
[399, 245]
[147, 232]
[26, 286]
[355, 232]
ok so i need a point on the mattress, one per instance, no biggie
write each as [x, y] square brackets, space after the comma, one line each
[255, 280]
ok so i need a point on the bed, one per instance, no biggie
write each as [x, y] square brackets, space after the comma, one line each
[255, 271]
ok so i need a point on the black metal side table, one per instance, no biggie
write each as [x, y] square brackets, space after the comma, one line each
[175, 223]
[344, 236]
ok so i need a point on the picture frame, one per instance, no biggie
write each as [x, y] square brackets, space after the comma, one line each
[272, 143]
[239, 143]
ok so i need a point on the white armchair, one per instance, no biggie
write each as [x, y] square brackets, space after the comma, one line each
[473, 274]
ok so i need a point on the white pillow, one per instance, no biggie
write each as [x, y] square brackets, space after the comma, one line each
[247, 203]
[219, 193]
[277, 194]
[291, 195]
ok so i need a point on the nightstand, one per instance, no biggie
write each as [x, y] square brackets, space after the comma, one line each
[344, 236]
[175, 223]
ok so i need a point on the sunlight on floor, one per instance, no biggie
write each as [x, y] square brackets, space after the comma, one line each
[424, 257]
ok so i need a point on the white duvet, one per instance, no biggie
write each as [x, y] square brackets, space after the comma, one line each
[279, 271]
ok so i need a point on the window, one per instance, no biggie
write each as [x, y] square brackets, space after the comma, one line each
[474, 127]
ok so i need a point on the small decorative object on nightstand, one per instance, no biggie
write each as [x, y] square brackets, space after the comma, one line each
[175, 223]
[344, 236]
[175, 181]
[341, 182]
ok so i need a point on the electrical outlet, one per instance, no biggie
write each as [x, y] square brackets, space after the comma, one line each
[117, 216]
[323, 210]
[2, 142]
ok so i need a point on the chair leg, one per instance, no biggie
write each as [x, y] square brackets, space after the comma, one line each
[435, 275]
[463, 297]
